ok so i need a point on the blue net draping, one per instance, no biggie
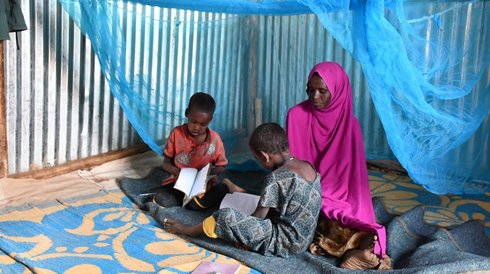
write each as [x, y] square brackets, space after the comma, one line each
[430, 93]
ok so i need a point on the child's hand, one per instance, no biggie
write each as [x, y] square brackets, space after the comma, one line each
[210, 178]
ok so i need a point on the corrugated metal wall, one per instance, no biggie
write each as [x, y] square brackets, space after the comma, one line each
[176, 53]
[466, 29]
[59, 107]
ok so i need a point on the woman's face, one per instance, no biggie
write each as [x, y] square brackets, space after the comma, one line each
[318, 92]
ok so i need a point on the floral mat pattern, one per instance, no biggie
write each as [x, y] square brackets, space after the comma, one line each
[108, 233]
[400, 194]
[104, 233]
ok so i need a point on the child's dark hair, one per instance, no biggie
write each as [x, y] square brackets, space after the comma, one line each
[268, 137]
[202, 102]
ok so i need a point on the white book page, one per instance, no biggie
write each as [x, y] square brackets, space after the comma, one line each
[186, 179]
[244, 202]
[200, 182]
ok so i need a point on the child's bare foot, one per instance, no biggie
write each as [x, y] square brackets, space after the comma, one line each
[363, 257]
[231, 186]
[317, 250]
[360, 259]
[175, 227]
[368, 242]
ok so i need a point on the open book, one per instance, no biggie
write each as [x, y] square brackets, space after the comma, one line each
[244, 202]
[192, 182]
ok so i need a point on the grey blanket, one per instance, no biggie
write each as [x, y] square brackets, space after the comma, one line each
[413, 245]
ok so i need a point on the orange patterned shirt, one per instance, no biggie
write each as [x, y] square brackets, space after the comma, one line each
[186, 153]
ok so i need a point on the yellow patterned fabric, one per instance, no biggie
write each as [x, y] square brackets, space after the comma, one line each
[104, 233]
[108, 233]
[399, 194]
[209, 227]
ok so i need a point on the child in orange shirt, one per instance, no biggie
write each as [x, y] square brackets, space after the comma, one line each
[194, 145]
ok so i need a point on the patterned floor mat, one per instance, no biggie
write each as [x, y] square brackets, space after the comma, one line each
[103, 233]
[400, 194]
[107, 233]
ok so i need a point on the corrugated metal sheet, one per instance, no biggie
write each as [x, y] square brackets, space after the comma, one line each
[59, 107]
[467, 37]
[175, 53]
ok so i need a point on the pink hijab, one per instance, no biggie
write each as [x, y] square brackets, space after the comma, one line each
[331, 140]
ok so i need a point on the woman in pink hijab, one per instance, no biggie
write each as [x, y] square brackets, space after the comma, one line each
[324, 131]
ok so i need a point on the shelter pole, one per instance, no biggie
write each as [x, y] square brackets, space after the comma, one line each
[3, 117]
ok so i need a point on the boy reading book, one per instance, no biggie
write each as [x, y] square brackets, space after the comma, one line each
[194, 145]
[285, 219]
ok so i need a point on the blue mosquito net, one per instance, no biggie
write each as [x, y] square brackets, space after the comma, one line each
[428, 75]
